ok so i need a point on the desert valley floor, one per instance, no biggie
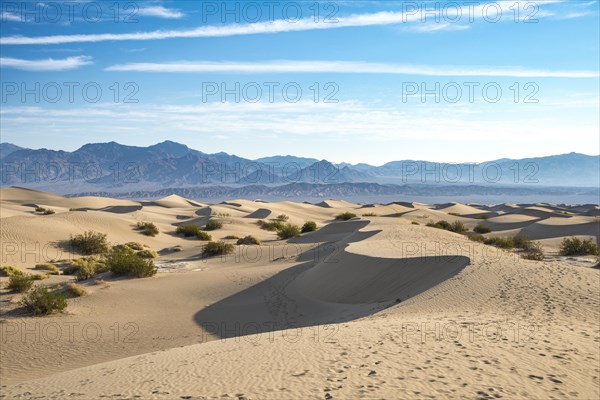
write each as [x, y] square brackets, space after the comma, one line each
[379, 306]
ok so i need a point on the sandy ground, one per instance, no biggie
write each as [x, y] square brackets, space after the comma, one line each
[375, 307]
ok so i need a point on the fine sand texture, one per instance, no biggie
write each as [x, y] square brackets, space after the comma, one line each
[379, 306]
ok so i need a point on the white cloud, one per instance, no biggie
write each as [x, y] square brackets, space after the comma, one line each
[350, 67]
[7, 16]
[49, 64]
[160, 12]
[470, 14]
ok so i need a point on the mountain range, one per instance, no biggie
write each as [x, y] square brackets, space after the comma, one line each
[116, 168]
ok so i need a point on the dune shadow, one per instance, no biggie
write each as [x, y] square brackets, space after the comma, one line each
[330, 285]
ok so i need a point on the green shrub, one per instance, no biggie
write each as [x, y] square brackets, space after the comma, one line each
[188, 230]
[90, 242]
[309, 226]
[249, 240]
[213, 225]
[288, 231]
[282, 218]
[217, 248]
[124, 248]
[534, 252]
[52, 269]
[370, 214]
[455, 226]
[20, 282]
[481, 229]
[147, 228]
[576, 247]
[345, 216]
[203, 235]
[44, 211]
[502, 242]
[270, 226]
[86, 269]
[483, 216]
[455, 214]
[476, 237]
[135, 246]
[122, 263]
[75, 290]
[415, 223]
[521, 242]
[458, 227]
[39, 277]
[235, 237]
[147, 253]
[41, 302]
[9, 270]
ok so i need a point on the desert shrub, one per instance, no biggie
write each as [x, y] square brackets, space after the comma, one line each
[502, 242]
[213, 225]
[249, 240]
[345, 216]
[147, 253]
[476, 237]
[52, 269]
[39, 277]
[534, 252]
[123, 248]
[135, 246]
[369, 214]
[576, 247]
[40, 301]
[203, 235]
[521, 242]
[231, 237]
[288, 231]
[86, 269]
[9, 270]
[455, 214]
[147, 228]
[122, 263]
[481, 229]
[188, 230]
[269, 226]
[282, 218]
[75, 290]
[177, 248]
[90, 242]
[455, 226]
[458, 227]
[439, 225]
[309, 226]
[44, 211]
[483, 216]
[217, 248]
[415, 223]
[20, 282]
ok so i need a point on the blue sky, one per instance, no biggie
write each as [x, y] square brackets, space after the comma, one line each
[364, 81]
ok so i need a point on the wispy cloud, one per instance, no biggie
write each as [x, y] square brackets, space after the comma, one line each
[49, 64]
[8, 16]
[350, 67]
[160, 12]
[276, 26]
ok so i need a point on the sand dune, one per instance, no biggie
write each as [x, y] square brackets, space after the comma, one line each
[375, 307]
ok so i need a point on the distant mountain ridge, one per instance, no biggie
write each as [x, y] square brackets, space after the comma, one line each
[113, 167]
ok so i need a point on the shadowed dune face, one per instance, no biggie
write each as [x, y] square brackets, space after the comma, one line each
[261, 213]
[355, 279]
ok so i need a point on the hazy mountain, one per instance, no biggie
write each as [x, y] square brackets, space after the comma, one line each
[117, 168]
[302, 162]
[7, 148]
